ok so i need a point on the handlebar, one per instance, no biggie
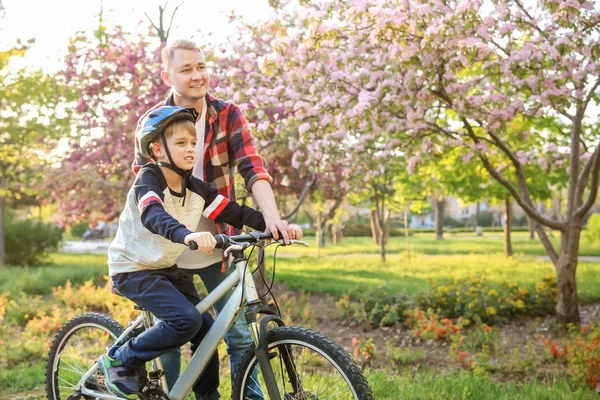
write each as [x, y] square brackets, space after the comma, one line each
[224, 241]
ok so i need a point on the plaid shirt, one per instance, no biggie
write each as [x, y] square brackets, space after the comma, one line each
[226, 135]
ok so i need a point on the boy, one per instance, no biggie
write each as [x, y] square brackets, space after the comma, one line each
[163, 205]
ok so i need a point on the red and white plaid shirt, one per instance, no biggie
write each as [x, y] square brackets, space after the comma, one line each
[227, 134]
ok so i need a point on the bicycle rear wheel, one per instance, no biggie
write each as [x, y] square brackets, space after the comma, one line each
[307, 366]
[76, 347]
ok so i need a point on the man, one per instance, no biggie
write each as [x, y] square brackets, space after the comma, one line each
[224, 145]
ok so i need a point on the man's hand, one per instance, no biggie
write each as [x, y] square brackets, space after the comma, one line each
[205, 241]
[288, 231]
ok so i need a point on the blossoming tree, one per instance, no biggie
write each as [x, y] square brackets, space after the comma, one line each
[427, 73]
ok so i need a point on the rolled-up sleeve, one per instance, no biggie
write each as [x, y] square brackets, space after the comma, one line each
[249, 163]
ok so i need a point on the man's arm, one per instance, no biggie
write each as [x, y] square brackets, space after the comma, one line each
[265, 199]
[250, 166]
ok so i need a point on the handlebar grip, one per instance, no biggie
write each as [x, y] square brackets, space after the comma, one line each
[221, 241]
[193, 245]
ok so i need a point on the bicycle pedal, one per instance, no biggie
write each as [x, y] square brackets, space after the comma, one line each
[273, 355]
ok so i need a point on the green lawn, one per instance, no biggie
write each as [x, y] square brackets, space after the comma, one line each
[401, 273]
[356, 264]
[61, 266]
[427, 384]
[451, 244]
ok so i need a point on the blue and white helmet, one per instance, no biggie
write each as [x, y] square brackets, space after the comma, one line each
[155, 122]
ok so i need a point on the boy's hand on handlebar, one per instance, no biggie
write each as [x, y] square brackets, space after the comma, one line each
[205, 241]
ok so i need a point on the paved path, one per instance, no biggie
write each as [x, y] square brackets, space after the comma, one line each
[88, 246]
[101, 247]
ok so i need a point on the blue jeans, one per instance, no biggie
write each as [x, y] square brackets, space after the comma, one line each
[171, 296]
[238, 339]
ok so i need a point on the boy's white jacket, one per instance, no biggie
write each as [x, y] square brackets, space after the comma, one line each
[154, 223]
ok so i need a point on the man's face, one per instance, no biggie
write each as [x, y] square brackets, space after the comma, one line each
[187, 75]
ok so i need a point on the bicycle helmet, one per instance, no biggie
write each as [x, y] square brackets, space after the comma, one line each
[154, 124]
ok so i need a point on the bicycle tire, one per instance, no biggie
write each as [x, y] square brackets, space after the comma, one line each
[323, 351]
[88, 334]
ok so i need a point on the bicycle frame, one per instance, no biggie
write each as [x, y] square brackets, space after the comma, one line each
[242, 296]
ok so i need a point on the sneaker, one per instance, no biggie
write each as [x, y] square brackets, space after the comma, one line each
[119, 380]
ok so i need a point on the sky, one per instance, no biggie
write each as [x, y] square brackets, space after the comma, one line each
[53, 22]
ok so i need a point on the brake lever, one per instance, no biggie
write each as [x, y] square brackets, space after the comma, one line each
[236, 246]
[300, 242]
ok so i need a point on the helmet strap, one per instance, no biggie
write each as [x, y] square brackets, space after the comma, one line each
[185, 174]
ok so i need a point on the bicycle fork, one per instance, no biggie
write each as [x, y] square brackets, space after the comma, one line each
[259, 335]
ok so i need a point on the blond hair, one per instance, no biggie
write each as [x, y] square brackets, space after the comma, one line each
[168, 51]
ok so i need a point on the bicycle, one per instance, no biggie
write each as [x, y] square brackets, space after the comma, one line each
[292, 362]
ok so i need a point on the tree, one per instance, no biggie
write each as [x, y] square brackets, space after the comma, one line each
[458, 74]
[118, 77]
[33, 119]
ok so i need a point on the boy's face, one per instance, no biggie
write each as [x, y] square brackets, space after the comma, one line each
[187, 75]
[182, 146]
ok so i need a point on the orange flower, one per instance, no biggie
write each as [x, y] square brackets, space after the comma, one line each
[440, 333]
[355, 342]
[585, 329]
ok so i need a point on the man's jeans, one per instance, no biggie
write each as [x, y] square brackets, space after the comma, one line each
[238, 339]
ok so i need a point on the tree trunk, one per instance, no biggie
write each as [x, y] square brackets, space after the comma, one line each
[309, 217]
[384, 227]
[380, 227]
[320, 233]
[405, 223]
[2, 214]
[476, 219]
[567, 310]
[508, 251]
[531, 227]
[374, 227]
[336, 232]
[439, 217]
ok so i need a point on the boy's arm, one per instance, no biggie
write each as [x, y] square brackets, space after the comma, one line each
[219, 208]
[149, 198]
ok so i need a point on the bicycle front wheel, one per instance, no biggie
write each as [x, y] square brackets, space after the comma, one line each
[76, 348]
[307, 366]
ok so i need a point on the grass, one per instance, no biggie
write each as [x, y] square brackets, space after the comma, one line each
[412, 272]
[61, 266]
[356, 264]
[423, 384]
[463, 385]
[452, 244]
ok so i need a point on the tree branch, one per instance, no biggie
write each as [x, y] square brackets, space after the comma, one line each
[546, 242]
[583, 178]
[595, 171]
[310, 181]
[513, 191]
[515, 161]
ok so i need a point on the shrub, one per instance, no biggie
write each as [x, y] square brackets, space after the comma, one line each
[77, 230]
[581, 353]
[361, 229]
[476, 298]
[374, 308]
[28, 242]
[454, 223]
[485, 218]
